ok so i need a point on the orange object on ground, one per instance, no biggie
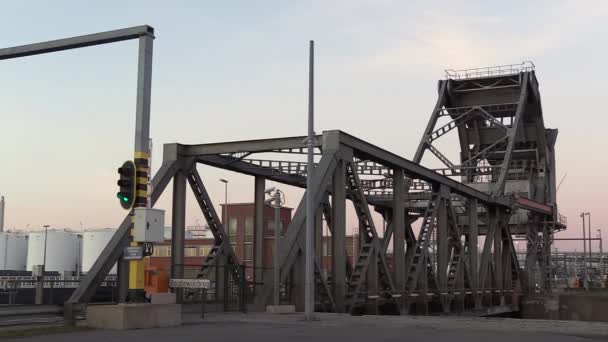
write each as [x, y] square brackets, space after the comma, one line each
[156, 280]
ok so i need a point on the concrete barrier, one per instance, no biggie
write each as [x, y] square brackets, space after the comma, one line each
[134, 316]
[578, 307]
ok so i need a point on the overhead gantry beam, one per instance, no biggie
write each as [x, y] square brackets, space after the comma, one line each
[76, 42]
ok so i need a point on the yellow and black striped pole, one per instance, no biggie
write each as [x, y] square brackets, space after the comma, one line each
[142, 156]
[136, 267]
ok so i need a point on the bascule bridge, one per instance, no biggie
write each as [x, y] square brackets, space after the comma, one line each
[450, 229]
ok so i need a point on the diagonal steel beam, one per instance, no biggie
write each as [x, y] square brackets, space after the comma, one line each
[289, 247]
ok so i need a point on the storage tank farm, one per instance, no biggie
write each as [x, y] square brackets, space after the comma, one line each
[13, 251]
[63, 251]
[93, 243]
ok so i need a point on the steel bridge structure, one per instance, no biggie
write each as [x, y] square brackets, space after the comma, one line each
[466, 212]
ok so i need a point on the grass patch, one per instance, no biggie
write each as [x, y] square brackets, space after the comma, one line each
[28, 332]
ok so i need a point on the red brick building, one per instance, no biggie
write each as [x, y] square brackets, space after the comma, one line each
[240, 229]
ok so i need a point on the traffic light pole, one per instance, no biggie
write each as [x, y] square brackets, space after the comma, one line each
[142, 156]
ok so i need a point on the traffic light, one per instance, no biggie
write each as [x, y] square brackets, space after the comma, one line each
[126, 195]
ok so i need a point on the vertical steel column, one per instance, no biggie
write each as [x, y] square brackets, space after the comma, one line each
[372, 283]
[442, 239]
[122, 269]
[498, 269]
[474, 249]
[258, 238]
[338, 240]
[310, 194]
[178, 227]
[398, 221]
[142, 151]
[319, 237]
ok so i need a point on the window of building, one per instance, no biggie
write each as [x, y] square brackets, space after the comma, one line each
[248, 252]
[232, 229]
[203, 250]
[190, 251]
[162, 251]
[248, 229]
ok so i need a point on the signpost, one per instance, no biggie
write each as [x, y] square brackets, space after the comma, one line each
[190, 283]
[202, 284]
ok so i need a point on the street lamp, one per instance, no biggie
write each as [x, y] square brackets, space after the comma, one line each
[46, 233]
[276, 200]
[589, 230]
[585, 284]
[599, 235]
[225, 218]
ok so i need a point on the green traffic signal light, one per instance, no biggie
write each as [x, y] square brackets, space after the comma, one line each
[126, 183]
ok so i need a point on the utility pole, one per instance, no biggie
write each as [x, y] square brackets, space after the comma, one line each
[309, 294]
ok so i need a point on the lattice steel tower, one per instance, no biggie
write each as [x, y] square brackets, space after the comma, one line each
[505, 150]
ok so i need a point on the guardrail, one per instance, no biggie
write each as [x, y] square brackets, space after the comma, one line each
[498, 70]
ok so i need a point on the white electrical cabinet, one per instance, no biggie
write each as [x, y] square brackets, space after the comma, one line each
[149, 225]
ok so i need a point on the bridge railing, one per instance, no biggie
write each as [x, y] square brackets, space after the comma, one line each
[499, 70]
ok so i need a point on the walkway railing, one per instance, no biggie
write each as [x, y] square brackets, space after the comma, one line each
[499, 70]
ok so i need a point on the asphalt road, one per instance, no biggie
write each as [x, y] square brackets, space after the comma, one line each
[325, 330]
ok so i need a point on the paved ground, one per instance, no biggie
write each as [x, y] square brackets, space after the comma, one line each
[334, 328]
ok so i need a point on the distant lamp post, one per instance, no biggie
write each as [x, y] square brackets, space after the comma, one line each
[585, 281]
[276, 200]
[225, 218]
[599, 235]
[46, 234]
[589, 235]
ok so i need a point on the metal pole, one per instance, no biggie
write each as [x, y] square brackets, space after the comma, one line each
[46, 233]
[599, 231]
[225, 204]
[589, 235]
[310, 211]
[277, 236]
[1, 214]
[141, 155]
[584, 254]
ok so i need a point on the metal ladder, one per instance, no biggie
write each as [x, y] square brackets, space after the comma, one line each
[370, 245]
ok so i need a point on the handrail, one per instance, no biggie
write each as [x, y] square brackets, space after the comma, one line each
[499, 70]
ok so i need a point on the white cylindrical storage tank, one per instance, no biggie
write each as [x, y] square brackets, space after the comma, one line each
[13, 252]
[62, 251]
[93, 243]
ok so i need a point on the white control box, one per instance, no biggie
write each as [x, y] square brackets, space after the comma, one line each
[149, 225]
